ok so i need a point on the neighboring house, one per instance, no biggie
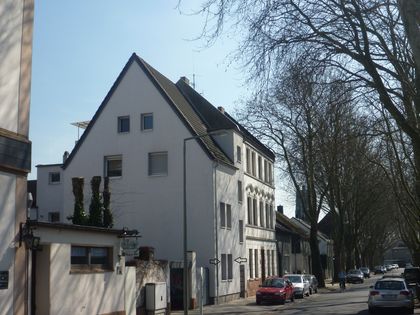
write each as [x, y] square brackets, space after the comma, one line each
[326, 248]
[136, 139]
[398, 253]
[80, 270]
[15, 149]
[292, 246]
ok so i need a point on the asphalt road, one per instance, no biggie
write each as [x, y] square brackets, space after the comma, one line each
[328, 301]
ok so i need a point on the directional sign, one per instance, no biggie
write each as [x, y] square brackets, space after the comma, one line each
[214, 261]
[240, 260]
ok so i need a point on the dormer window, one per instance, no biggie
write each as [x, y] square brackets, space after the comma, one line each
[123, 124]
[146, 122]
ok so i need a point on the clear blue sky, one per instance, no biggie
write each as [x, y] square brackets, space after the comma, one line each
[80, 47]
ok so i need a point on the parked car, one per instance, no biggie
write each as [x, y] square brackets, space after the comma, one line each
[388, 267]
[300, 284]
[379, 269]
[366, 271]
[275, 290]
[390, 293]
[313, 283]
[355, 276]
[412, 277]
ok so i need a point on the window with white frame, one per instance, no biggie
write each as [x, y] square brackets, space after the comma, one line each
[147, 121]
[158, 164]
[225, 215]
[251, 263]
[265, 171]
[267, 215]
[262, 214]
[248, 161]
[256, 270]
[255, 211]
[270, 173]
[54, 178]
[113, 166]
[240, 192]
[253, 166]
[241, 231]
[271, 217]
[227, 267]
[88, 258]
[249, 207]
[123, 124]
[260, 170]
[238, 154]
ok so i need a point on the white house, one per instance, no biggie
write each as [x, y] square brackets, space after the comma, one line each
[136, 139]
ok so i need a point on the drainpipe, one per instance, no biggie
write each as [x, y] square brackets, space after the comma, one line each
[216, 232]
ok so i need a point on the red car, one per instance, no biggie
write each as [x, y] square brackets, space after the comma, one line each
[275, 290]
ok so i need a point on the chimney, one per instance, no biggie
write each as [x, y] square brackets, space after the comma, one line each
[280, 209]
[221, 109]
[65, 156]
[185, 79]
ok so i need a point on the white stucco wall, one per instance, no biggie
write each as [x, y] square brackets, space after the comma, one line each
[10, 53]
[80, 293]
[49, 195]
[7, 237]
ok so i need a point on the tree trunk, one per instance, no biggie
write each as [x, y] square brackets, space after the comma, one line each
[315, 255]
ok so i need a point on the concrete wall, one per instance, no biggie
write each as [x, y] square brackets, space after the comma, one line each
[49, 195]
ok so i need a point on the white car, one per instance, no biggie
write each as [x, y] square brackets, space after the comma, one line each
[300, 284]
[390, 293]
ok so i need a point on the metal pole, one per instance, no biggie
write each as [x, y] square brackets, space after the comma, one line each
[185, 286]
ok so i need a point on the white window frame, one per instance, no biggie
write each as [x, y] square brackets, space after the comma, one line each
[50, 178]
[142, 124]
[149, 159]
[106, 165]
[120, 119]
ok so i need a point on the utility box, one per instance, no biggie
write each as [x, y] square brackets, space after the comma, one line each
[156, 300]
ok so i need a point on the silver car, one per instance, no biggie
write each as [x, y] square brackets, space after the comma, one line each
[390, 293]
[300, 284]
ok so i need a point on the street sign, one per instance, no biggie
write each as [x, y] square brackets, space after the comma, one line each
[214, 261]
[240, 260]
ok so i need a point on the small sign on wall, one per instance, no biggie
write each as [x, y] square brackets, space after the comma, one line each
[4, 280]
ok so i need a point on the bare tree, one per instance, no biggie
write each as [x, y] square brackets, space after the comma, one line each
[375, 43]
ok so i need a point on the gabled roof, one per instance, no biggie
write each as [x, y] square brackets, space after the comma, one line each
[197, 114]
[281, 219]
[175, 99]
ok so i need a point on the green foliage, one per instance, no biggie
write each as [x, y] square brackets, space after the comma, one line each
[107, 214]
[96, 206]
[79, 215]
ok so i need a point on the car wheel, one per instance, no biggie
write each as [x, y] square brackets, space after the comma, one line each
[372, 310]
[258, 302]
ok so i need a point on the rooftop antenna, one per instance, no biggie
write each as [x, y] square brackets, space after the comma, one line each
[80, 125]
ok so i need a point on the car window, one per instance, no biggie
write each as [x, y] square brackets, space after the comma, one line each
[295, 279]
[389, 285]
[274, 283]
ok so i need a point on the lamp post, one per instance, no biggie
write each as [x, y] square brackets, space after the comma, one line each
[185, 271]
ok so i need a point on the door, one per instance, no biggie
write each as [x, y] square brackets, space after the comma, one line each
[177, 301]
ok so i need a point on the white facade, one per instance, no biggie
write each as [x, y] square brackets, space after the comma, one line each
[153, 204]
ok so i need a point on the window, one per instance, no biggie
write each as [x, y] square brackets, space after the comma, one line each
[270, 173]
[261, 214]
[53, 216]
[225, 215]
[222, 215]
[248, 161]
[260, 170]
[251, 264]
[273, 268]
[224, 269]
[249, 205]
[268, 263]
[146, 122]
[241, 231]
[90, 258]
[123, 124]
[271, 217]
[240, 193]
[158, 163]
[267, 215]
[255, 211]
[256, 262]
[253, 171]
[227, 266]
[54, 177]
[265, 171]
[113, 166]
[238, 154]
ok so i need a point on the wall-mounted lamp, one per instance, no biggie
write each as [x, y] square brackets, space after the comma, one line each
[26, 235]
